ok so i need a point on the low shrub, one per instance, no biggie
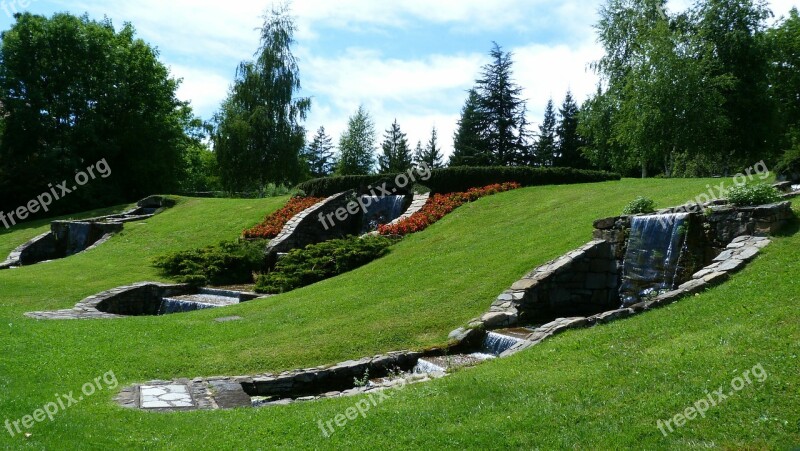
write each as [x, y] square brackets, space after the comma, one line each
[458, 179]
[639, 205]
[754, 194]
[439, 206]
[275, 222]
[228, 263]
[316, 262]
[788, 167]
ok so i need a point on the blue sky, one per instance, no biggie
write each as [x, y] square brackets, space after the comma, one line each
[411, 60]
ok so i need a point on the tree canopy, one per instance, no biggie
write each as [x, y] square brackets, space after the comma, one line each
[74, 91]
[357, 145]
[259, 135]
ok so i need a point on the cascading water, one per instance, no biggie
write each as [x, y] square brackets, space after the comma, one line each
[425, 367]
[170, 306]
[654, 250]
[381, 210]
[496, 344]
[207, 298]
[78, 237]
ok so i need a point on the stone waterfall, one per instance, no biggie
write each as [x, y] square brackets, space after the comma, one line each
[654, 250]
[381, 210]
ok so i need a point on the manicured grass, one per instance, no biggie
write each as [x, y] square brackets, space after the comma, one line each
[600, 388]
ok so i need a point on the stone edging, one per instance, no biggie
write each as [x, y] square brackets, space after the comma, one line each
[155, 204]
[87, 308]
[504, 311]
[290, 227]
[14, 256]
[416, 205]
[223, 392]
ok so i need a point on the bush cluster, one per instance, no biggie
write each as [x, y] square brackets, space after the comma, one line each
[316, 262]
[439, 206]
[639, 205]
[459, 179]
[274, 223]
[789, 165]
[228, 263]
[755, 194]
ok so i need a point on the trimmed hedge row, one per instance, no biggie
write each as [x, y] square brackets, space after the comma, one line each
[451, 180]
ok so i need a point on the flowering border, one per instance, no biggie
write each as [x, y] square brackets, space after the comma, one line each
[441, 205]
[273, 224]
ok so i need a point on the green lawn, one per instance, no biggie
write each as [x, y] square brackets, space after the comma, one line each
[599, 388]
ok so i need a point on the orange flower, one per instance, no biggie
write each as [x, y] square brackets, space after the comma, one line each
[274, 223]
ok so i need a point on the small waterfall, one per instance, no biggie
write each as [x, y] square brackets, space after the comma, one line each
[795, 188]
[496, 344]
[381, 210]
[425, 367]
[78, 237]
[654, 250]
[171, 305]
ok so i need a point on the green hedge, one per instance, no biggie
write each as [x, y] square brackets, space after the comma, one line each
[228, 263]
[316, 262]
[451, 180]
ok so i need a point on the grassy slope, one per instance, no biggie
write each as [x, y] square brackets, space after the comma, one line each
[603, 387]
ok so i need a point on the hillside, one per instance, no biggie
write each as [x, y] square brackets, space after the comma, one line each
[611, 383]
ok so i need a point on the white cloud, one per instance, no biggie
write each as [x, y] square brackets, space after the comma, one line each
[204, 88]
[203, 41]
[419, 93]
[549, 71]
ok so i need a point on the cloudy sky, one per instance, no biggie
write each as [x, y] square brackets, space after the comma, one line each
[411, 60]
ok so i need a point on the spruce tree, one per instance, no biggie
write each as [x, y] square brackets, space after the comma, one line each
[431, 154]
[419, 153]
[546, 145]
[396, 155]
[569, 142]
[318, 155]
[357, 145]
[469, 146]
[502, 109]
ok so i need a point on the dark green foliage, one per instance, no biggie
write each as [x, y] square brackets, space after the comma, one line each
[502, 109]
[318, 156]
[755, 194]
[201, 170]
[546, 148]
[301, 267]
[784, 45]
[789, 165]
[640, 205]
[357, 145]
[569, 142]
[259, 135]
[74, 91]
[228, 263]
[685, 94]
[469, 147]
[431, 154]
[456, 179]
[396, 156]
[492, 130]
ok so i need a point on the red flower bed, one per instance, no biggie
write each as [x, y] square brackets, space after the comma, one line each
[439, 206]
[274, 223]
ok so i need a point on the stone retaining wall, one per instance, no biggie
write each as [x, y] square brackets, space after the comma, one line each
[306, 228]
[585, 280]
[735, 257]
[67, 238]
[333, 381]
[138, 299]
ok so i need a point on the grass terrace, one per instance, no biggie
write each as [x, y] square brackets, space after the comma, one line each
[601, 388]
